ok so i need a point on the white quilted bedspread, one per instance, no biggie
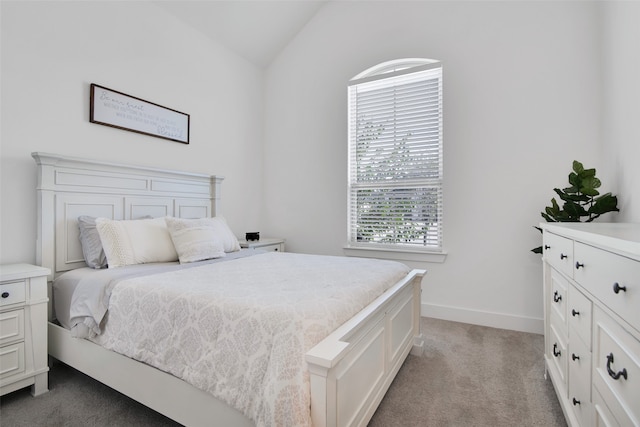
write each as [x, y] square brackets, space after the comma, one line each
[240, 329]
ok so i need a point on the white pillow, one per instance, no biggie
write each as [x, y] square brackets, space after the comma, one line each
[195, 239]
[229, 240]
[140, 241]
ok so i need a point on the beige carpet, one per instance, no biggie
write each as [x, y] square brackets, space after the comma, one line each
[468, 376]
[472, 376]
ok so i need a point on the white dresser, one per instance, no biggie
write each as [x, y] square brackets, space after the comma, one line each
[592, 320]
[23, 328]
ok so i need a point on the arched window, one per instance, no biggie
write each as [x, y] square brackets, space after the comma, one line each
[395, 156]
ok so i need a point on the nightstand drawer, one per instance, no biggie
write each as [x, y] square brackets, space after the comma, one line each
[11, 359]
[11, 326]
[271, 248]
[12, 293]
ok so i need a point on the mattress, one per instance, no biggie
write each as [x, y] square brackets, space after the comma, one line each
[64, 286]
[238, 329]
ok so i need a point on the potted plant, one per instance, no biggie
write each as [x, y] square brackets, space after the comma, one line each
[582, 201]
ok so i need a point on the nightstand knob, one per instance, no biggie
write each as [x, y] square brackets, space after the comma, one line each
[574, 357]
[575, 401]
[574, 313]
[563, 256]
[5, 295]
[578, 265]
[556, 352]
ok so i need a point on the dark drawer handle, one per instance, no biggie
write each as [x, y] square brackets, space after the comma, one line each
[547, 247]
[612, 374]
[6, 294]
[578, 265]
[574, 313]
[617, 288]
[574, 357]
[556, 352]
[563, 256]
[575, 401]
[557, 297]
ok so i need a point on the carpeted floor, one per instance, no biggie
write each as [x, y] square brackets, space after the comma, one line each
[468, 376]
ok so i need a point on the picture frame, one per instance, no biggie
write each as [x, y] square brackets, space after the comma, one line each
[115, 109]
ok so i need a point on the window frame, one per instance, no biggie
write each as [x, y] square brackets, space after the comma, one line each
[410, 251]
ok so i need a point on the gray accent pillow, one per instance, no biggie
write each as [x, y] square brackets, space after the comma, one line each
[92, 250]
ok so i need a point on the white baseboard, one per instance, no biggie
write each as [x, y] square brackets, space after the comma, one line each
[483, 318]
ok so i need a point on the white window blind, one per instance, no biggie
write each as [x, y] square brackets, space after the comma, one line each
[395, 158]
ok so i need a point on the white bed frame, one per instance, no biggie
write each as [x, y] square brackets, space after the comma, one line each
[350, 370]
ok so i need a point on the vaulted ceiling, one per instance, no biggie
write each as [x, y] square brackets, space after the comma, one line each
[255, 29]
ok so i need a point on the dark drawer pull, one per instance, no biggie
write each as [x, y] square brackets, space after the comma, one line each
[5, 295]
[547, 247]
[574, 357]
[574, 313]
[612, 374]
[578, 265]
[557, 297]
[563, 256]
[575, 401]
[617, 288]
[557, 353]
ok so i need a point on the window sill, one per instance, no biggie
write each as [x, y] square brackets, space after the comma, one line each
[395, 254]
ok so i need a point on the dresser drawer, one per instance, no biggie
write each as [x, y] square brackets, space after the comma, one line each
[579, 314]
[557, 353]
[616, 367]
[558, 252]
[11, 359]
[558, 298]
[12, 293]
[613, 279]
[579, 359]
[602, 415]
[11, 326]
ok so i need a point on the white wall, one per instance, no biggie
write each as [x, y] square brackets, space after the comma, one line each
[521, 102]
[621, 106]
[52, 51]
[529, 87]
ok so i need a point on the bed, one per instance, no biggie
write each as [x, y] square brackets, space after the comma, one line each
[348, 371]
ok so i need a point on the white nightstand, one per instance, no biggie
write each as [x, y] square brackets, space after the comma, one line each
[266, 243]
[23, 328]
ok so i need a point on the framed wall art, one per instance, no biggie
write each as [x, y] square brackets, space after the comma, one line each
[115, 109]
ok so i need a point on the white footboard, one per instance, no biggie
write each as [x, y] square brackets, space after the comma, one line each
[352, 368]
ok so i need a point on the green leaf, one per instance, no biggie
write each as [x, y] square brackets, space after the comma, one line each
[603, 204]
[574, 210]
[577, 166]
[571, 197]
[589, 186]
[575, 182]
[587, 173]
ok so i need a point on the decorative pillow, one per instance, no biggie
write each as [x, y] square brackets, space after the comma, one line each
[139, 241]
[195, 239]
[90, 241]
[229, 240]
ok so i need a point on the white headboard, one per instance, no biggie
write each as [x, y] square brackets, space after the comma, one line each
[68, 187]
